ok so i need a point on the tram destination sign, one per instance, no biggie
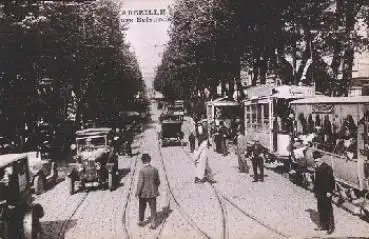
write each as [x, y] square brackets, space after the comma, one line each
[323, 108]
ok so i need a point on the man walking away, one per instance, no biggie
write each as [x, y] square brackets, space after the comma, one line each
[147, 190]
[241, 151]
[257, 155]
[192, 140]
[323, 187]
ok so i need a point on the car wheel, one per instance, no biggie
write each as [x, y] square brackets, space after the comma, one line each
[111, 181]
[71, 185]
[39, 184]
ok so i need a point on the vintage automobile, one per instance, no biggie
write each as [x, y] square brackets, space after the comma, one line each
[171, 133]
[19, 217]
[96, 161]
[43, 170]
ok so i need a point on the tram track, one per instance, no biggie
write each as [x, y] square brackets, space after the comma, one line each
[128, 200]
[223, 197]
[126, 207]
[182, 211]
[66, 223]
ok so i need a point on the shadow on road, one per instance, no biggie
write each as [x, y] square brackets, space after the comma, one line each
[160, 216]
[56, 229]
[314, 216]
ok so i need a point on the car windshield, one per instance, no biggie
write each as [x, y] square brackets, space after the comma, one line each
[90, 143]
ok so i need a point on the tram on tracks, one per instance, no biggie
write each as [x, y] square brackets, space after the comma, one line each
[223, 110]
[338, 129]
[266, 117]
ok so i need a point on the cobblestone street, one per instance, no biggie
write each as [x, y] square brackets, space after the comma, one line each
[234, 208]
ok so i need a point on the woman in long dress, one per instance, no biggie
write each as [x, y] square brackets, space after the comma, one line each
[203, 171]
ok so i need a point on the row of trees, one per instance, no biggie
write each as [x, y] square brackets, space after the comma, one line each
[60, 55]
[212, 40]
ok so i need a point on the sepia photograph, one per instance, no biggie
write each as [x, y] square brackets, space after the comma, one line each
[184, 119]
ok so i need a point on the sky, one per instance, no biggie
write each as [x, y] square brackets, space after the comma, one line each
[147, 39]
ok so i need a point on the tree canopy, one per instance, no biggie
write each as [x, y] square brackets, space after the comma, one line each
[212, 40]
[49, 50]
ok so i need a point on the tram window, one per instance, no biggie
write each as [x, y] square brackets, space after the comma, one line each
[248, 114]
[258, 115]
[253, 114]
[266, 115]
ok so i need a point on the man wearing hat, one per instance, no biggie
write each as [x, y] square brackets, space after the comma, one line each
[147, 190]
[323, 188]
[257, 154]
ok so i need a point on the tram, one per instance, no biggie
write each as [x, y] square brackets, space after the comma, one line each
[266, 116]
[338, 129]
[225, 110]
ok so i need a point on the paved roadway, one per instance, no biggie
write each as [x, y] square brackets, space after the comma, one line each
[233, 208]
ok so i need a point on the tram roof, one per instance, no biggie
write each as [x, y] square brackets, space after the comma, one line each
[224, 102]
[7, 159]
[327, 99]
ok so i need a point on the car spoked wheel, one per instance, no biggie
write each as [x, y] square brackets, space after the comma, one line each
[39, 184]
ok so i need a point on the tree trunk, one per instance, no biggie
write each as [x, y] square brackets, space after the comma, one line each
[337, 45]
[348, 57]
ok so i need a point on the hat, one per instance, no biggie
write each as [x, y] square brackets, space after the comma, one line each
[145, 157]
[317, 156]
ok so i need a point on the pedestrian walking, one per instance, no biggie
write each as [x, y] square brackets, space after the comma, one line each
[200, 133]
[241, 151]
[203, 171]
[223, 134]
[128, 138]
[192, 140]
[323, 188]
[147, 190]
[257, 155]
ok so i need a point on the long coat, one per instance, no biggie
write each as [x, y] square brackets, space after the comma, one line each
[148, 182]
[201, 161]
[324, 180]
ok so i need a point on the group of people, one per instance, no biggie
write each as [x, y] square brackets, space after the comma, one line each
[148, 181]
[329, 134]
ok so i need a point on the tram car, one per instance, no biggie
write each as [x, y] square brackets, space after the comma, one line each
[336, 128]
[267, 118]
[225, 110]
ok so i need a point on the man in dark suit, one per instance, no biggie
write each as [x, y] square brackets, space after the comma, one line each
[323, 188]
[147, 189]
[257, 155]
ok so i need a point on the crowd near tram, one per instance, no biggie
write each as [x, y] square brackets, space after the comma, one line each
[295, 129]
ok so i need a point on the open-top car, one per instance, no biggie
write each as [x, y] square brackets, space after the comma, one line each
[96, 161]
[19, 217]
[171, 132]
